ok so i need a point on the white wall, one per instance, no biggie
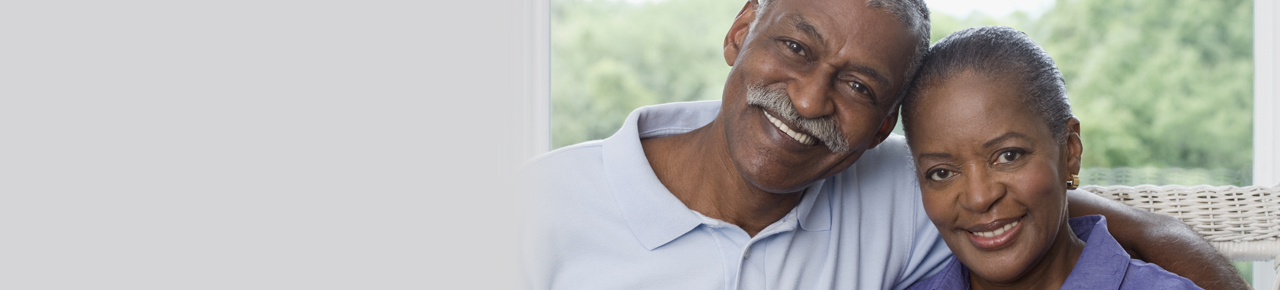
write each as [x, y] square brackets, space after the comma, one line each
[259, 144]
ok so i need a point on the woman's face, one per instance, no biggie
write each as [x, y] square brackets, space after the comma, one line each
[992, 175]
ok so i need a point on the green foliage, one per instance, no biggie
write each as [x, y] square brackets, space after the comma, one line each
[610, 57]
[1155, 83]
[1159, 83]
[944, 24]
[1245, 269]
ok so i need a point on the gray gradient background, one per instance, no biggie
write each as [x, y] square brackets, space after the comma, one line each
[258, 144]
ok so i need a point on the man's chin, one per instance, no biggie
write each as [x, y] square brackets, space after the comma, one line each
[782, 186]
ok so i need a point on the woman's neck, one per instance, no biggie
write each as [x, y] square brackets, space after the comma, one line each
[1049, 272]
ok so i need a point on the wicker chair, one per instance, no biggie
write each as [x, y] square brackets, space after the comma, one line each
[1241, 222]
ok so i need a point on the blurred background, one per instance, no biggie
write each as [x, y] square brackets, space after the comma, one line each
[1163, 88]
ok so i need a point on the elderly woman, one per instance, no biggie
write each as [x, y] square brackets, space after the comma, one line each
[996, 148]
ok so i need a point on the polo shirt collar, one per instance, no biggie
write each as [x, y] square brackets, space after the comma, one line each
[1103, 263]
[656, 217]
[813, 215]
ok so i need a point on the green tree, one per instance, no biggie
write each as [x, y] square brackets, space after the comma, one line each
[1156, 83]
[1164, 83]
[610, 57]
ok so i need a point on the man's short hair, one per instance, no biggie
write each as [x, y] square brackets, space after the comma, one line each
[912, 13]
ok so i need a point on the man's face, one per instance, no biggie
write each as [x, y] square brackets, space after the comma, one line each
[812, 87]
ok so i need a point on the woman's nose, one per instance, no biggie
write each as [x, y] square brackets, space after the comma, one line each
[981, 191]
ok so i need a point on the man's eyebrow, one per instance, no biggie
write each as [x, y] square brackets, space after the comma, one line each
[804, 26]
[1006, 136]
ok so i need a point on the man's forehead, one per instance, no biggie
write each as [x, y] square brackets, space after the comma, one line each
[832, 19]
[851, 26]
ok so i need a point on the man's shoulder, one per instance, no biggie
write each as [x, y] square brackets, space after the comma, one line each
[891, 153]
[564, 186]
[571, 170]
[581, 155]
[889, 162]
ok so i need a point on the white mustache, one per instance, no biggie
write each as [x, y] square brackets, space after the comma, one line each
[779, 103]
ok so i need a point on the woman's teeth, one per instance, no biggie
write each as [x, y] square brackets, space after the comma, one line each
[799, 137]
[996, 232]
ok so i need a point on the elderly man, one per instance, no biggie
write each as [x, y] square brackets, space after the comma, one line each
[792, 181]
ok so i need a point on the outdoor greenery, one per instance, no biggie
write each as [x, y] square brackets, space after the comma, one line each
[1159, 85]
[610, 57]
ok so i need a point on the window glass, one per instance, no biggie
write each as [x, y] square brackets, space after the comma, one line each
[1163, 88]
[610, 57]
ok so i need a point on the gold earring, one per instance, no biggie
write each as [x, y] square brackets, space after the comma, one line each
[1074, 182]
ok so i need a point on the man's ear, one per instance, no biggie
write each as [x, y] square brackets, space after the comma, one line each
[886, 128]
[738, 32]
[1074, 148]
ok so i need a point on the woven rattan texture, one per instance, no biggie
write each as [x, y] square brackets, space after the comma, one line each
[1218, 213]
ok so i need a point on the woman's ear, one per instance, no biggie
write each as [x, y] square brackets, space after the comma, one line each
[738, 32]
[1073, 148]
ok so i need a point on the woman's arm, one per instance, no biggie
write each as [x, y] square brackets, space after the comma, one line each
[1160, 239]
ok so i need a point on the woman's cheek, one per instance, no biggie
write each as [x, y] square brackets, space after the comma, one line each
[937, 207]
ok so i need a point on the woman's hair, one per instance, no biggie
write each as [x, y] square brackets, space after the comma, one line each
[996, 52]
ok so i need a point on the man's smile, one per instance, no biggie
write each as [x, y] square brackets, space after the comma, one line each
[803, 138]
[776, 105]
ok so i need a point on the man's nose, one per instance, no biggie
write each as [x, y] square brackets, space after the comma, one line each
[981, 191]
[810, 94]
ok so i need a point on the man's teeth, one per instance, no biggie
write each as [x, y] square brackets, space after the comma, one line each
[996, 232]
[800, 137]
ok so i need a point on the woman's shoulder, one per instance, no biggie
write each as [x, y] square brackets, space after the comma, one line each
[1104, 264]
[954, 276]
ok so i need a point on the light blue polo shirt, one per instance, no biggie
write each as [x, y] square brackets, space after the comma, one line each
[600, 219]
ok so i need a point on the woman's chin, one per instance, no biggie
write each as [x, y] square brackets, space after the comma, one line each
[1002, 268]
[1005, 275]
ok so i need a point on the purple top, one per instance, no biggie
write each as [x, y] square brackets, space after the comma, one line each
[1102, 265]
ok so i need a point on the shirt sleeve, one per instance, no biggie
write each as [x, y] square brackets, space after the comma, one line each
[929, 253]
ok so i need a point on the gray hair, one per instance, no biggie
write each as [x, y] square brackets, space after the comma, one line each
[997, 52]
[912, 13]
[777, 101]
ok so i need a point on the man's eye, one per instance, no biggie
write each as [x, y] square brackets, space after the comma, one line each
[860, 88]
[1008, 156]
[940, 174]
[795, 47]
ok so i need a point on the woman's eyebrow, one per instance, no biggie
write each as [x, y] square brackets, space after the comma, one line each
[930, 156]
[1002, 138]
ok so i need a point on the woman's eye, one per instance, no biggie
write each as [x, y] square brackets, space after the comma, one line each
[795, 47]
[940, 174]
[1008, 156]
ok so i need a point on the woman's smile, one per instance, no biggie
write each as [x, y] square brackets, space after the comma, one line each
[989, 172]
[994, 235]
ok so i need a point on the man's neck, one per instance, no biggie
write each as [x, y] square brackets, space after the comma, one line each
[697, 169]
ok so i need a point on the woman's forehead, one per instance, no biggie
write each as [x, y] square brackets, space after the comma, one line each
[970, 105]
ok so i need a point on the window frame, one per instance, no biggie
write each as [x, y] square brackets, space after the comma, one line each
[535, 106]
